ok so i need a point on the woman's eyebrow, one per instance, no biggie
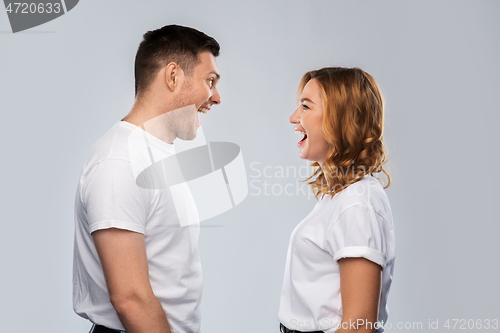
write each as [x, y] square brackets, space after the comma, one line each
[306, 100]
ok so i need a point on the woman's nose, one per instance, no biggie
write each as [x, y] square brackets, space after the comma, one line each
[294, 118]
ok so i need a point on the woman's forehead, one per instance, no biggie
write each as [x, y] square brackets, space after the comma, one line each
[311, 92]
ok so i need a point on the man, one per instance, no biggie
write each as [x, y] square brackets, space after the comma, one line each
[136, 264]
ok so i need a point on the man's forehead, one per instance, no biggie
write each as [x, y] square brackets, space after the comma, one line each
[207, 64]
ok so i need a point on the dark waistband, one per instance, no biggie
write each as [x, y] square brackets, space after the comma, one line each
[103, 329]
[283, 329]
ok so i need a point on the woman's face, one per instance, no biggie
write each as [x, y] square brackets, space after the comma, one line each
[307, 120]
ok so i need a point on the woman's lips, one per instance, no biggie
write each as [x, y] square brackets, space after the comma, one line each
[301, 142]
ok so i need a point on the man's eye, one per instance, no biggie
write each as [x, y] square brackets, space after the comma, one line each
[211, 83]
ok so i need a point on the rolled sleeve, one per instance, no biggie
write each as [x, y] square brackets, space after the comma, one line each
[359, 232]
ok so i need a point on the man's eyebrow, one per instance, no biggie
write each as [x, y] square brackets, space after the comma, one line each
[216, 74]
[306, 100]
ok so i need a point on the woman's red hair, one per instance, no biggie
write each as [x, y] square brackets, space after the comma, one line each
[353, 122]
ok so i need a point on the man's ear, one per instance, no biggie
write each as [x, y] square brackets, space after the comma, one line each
[173, 75]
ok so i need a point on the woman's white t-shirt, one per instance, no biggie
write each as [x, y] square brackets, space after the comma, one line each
[357, 222]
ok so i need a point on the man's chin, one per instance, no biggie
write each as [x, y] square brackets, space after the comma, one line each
[189, 137]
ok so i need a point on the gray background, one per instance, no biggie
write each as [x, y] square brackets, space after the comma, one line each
[65, 83]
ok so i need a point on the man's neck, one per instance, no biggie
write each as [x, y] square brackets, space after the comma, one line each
[150, 119]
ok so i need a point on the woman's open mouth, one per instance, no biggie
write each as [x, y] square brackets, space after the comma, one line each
[303, 139]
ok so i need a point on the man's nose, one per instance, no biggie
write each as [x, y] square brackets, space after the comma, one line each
[215, 98]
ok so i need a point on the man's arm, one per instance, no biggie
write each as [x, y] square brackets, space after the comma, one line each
[124, 262]
[360, 281]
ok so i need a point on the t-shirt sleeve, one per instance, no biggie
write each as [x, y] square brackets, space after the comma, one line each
[113, 199]
[359, 232]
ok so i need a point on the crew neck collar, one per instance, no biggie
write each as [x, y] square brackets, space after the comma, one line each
[153, 140]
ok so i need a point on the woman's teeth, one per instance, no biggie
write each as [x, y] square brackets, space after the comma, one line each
[303, 139]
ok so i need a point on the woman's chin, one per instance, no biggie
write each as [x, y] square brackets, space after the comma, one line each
[310, 159]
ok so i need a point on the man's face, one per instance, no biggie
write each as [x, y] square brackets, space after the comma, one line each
[198, 93]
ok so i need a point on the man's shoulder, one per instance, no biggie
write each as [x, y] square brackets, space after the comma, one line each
[113, 145]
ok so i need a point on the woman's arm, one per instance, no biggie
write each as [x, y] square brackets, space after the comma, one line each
[360, 281]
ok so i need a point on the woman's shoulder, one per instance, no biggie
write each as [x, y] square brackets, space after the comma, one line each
[367, 192]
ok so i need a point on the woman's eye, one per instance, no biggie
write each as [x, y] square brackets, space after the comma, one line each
[305, 107]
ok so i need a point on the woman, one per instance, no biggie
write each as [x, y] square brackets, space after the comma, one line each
[341, 256]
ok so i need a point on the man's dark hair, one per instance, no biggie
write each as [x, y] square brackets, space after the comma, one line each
[171, 43]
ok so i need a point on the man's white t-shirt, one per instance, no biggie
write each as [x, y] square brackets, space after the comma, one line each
[108, 196]
[357, 222]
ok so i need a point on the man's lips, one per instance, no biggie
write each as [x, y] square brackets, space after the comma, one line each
[204, 109]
